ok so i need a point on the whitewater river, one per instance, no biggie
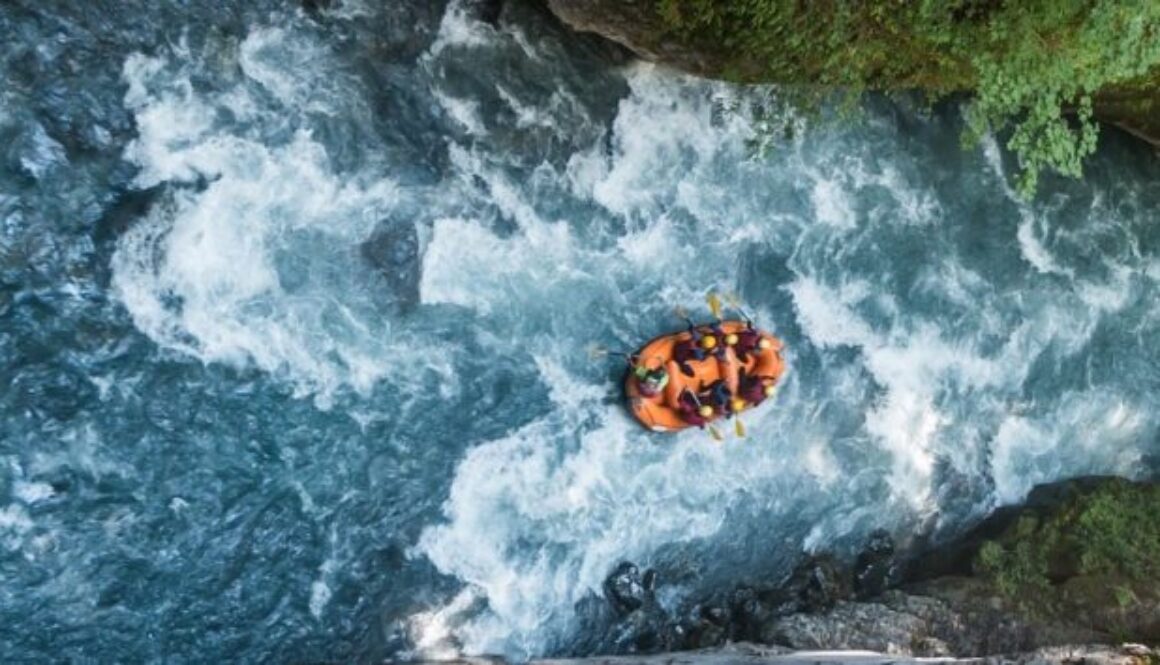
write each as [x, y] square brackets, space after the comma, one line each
[295, 305]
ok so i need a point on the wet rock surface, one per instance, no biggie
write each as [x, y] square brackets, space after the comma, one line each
[393, 250]
[924, 603]
[625, 588]
[875, 570]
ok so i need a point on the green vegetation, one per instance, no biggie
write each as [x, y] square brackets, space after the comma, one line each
[1034, 67]
[1097, 549]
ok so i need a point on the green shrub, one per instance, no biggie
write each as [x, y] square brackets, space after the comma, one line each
[1018, 569]
[1033, 66]
[1111, 532]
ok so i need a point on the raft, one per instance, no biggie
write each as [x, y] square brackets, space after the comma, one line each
[661, 412]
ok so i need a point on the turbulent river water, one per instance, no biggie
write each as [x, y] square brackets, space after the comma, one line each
[295, 304]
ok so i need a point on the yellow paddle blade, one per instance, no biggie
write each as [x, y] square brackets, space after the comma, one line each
[716, 434]
[739, 428]
[714, 305]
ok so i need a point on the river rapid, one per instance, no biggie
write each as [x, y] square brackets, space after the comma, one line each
[296, 303]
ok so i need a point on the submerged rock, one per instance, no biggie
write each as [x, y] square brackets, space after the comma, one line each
[393, 250]
[875, 570]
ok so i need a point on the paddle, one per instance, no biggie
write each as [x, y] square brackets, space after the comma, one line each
[735, 303]
[714, 305]
[596, 352]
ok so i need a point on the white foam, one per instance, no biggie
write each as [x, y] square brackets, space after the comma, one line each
[432, 633]
[14, 525]
[832, 204]
[583, 495]
[32, 492]
[295, 70]
[526, 114]
[825, 315]
[463, 111]
[1034, 251]
[657, 126]
[319, 596]
[1030, 246]
[913, 365]
[15, 518]
[1095, 431]
[458, 29]
[207, 274]
[819, 461]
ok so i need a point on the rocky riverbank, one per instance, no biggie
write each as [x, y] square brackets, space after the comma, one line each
[1076, 563]
[744, 653]
[877, 47]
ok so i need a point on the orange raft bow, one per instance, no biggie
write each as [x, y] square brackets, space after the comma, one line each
[683, 395]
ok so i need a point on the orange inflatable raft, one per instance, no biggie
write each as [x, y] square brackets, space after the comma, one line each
[668, 390]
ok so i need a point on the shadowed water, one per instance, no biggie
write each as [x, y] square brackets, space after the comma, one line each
[295, 306]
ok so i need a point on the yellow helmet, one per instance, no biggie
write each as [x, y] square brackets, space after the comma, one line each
[764, 343]
[730, 339]
[737, 404]
[705, 410]
[708, 342]
[769, 390]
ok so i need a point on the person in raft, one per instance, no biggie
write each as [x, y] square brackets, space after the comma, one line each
[719, 395]
[692, 410]
[696, 348]
[754, 389]
[747, 341]
[650, 381]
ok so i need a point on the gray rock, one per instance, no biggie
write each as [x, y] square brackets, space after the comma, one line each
[849, 625]
[875, 569]
[624, 588]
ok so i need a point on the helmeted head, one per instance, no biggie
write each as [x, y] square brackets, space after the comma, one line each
[656, 376]
[708, 342]
[705, 410]
[653, 381]
[731, 339]
[737, 404]
[768, 390]
[764, 343]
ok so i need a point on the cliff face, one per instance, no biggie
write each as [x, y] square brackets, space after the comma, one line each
[636, 25]
[1075, 564]
[883, 55]
[744, 653]
[1134, 108]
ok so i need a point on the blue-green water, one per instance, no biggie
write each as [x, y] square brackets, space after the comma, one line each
[294, 310]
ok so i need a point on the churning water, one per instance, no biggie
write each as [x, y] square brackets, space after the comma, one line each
[295, 306]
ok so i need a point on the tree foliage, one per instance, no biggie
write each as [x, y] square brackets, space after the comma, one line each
[1033, 66]
[1111, 533]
